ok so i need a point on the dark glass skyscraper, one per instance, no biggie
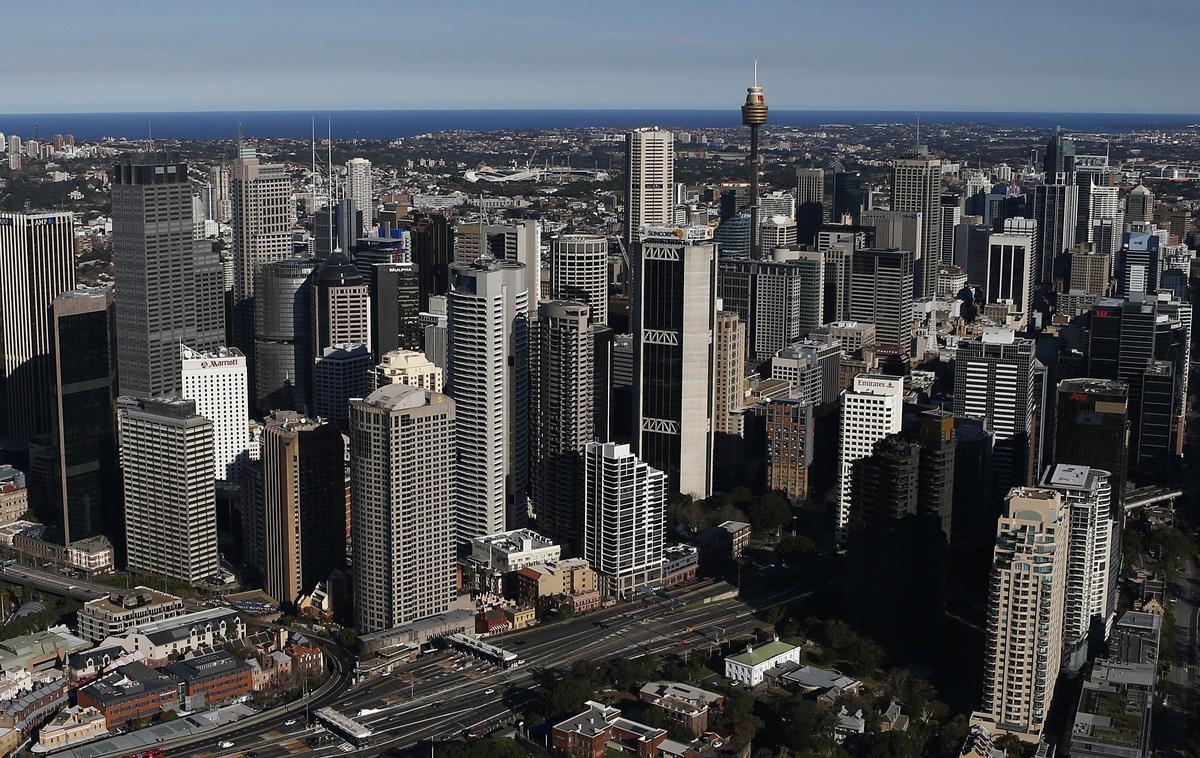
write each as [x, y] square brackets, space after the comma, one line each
[432, 251]
[1092, 428]
[283, 335]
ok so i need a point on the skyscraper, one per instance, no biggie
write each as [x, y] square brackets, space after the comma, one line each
[788, 422]
[881, 292]
[1058, 163]
[1092, 429]
[579, 272]
[80, 490]
[754, 115]
[1010, 271]
[1139, 269]
[170, 499]
[358, 189]
[14, 153]
[562, 418]
[216, 381]
[283, 335]
[623, 522]
[650, 180]
[341, 306]
[341, 372]
[1025, 614]
[810, 197]
[402, 443]
[221, 209]
[951, 216]
[673, 311]
[169, 287]
[781, 299]
[1093, 559]
[487, 373]
[432, 250]
[729, 370]
[408, 367]
[37, 251]
[519, 242]
[262, 232]
[871, 410]
[917, 187]
[395, 294]
[1139, 205]
[1056, 211]
[995, 377]
[304, 503]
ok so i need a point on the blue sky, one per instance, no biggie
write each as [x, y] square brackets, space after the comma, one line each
[1048, 55]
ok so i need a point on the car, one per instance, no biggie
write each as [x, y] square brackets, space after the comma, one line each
[290, 722]
[225, 744]
[251, 754]
[490, 691]
[521, 662]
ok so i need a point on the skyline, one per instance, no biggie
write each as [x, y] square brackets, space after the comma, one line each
[269, 56]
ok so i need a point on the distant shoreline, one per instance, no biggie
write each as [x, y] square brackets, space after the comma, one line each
[392, 124]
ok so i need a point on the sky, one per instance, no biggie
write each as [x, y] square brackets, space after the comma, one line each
[1012, 55]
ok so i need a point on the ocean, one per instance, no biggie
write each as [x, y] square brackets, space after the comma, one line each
[390, 124]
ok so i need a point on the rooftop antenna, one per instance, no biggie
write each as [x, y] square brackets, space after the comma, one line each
[149, 135]
[918, 128]
[329, 187]
[313, 146]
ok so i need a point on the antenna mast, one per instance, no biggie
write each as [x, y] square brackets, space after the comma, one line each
[329, 187]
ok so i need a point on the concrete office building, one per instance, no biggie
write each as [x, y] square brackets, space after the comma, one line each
[881, 292]
[170, 288]
[917, 188]
[789, 430]
[579, 272]
[650, 180]
[487, 373]
[283, 335]
[871, 410]
[341, 373]
[402, 443]
[1139, 206]
[263, 216]
[729, 372]
[341, 306]
[781, 299]
[408, 367]
[674, 310]
[519, 242]
[623, 521]
[996, 377]
[562, 416]
[811, 365]
[1010, 272]
[303, 503]
[1093, 559]
[1091, 272]
[358, 189]
[216, 381]
[1025, 614]
[777, 231]
[37, 252]
[170, 500]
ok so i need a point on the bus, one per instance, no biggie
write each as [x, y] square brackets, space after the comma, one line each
[497, 655]
[344, 726]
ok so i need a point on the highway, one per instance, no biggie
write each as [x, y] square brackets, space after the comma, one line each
[54, 584]
[1170, 726]
[440, 696]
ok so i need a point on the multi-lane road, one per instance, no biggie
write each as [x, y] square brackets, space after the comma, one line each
[54, 584]
[1181, 686]
[441, 696]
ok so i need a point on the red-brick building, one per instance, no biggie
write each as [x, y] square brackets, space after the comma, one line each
[212, 678]
[131, 692]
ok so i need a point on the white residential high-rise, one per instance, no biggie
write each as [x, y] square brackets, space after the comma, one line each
[14, 152]
[579, 272]
[408, 367]
[216, 381]
[777, 203]
[262, 232]
[1091, 594]
[487, 373]
[358, 189]
[674, 305]
[1025, 614]
[871, 410]
[624, 513]
[402, 505]
[917, 187]
[170, 495]
[37, 255]
[777, 231]
[650, 177]
[1105, 203]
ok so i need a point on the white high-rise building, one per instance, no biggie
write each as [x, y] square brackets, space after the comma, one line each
[170, 495]
[777, 203]
[408, 367]
[1091, 594]
[872, 408]
[1025, 614]
[487, 373]
[216, 381]
[650, 176]
[1105, 202]
[402, 505]
[777, 231]
[14, 152]
[674, 305]
[520, 242]
[358, 189]
[579, 272]
[37, 255]
[623, 519]
[1010, 271]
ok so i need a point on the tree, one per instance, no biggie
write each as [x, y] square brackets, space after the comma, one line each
[804, 726]
[770, 512]
[737, 717]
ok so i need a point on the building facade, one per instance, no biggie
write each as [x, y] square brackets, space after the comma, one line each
[623, 522]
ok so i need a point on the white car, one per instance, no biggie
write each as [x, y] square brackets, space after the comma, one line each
[490, 691]
[290, 722]
[521, 662]
[225, 744]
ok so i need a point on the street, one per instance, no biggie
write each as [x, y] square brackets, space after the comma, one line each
[1171, 721]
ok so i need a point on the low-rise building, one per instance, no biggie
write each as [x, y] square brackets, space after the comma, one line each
[1112, 719]
[34, 705]
[513, 550]
[848, 724]
[85, 665]
[750, 667]
[828, 684]
[131, 692]
[980, 743]
[602, 727]
[519, 617]
[39, 651]
[683, 703]
[125, 609]
[159, 640]
[680, 563]
[14, 495]
[569, 582]
[726, 541]
[71, 726]
[1135, 638]
[213, 678]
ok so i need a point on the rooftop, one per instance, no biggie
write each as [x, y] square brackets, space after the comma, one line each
[212, 664]
[756, 656]
[129, 680]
